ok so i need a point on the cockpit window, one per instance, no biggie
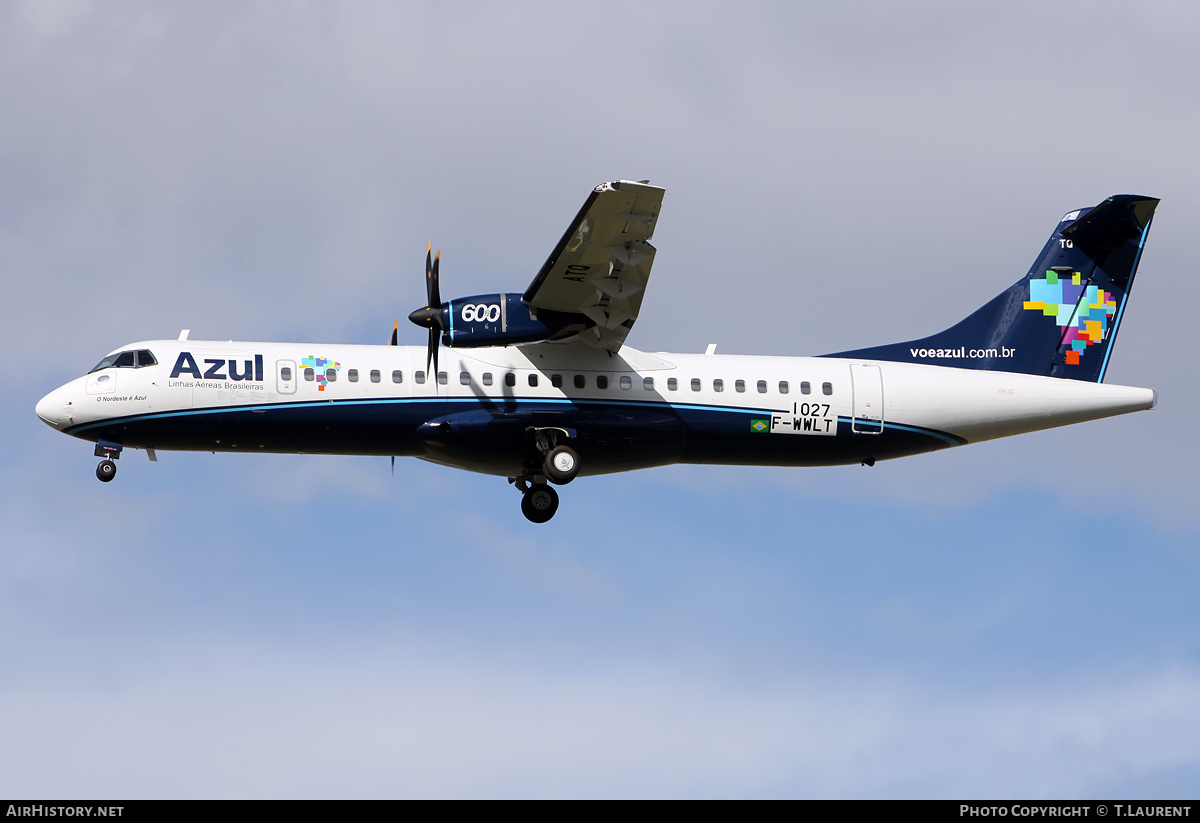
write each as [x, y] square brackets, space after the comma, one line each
[106, 362]
[127, 360]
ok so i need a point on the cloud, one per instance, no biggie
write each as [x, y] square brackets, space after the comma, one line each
[394, 718]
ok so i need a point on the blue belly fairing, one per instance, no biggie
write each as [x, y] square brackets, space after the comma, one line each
[488, 435]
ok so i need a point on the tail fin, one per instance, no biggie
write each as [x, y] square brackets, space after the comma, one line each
[1060, 319]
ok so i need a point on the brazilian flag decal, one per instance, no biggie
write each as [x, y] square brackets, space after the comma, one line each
[760, 426]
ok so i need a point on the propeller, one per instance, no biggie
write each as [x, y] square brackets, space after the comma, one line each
[431, 316]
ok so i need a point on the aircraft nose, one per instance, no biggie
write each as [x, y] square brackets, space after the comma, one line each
[50, 408]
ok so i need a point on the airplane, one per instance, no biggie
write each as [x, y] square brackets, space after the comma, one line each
[541, 387]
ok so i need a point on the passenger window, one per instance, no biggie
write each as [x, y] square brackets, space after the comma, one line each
[826, 388]
[310, 375]
[419, 376]
[285, 374]
[762, 386]
[648, 384]
[487, 378]
[124, 360]
[510, 379]
[397, 376]
[672, 384]
[806, 387]
[556, 381]
[739, 385]
[376, 377]
[626, 383]
[145, 358]
[580, 381]
[718, 385]
[352, 375]
[695, 384]
[464, 378]
[601, 381]
[331, 375]
[443, 378]
[533, 380]
[783, 387]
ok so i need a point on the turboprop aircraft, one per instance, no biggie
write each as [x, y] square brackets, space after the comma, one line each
[540, 387]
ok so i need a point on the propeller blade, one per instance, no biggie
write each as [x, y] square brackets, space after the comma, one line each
[396, 333]
[393, 465]
[431, 315]
[434, 292]
[432, 356]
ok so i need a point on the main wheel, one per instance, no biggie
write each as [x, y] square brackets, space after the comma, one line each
[539, 503]
[106, 471]
[562, 464]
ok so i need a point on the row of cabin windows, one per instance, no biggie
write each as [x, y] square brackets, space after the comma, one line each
[556, 380]
[351, 375]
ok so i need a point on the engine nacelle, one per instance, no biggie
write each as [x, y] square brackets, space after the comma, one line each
[503, 320]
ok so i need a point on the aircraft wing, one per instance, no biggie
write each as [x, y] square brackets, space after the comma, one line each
[600, 267]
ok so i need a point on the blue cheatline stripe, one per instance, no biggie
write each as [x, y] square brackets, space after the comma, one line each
[529, 405]
[951, 439]
[524, 404]
[1112, 337]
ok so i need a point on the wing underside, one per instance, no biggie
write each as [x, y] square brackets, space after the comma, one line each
[602, 264]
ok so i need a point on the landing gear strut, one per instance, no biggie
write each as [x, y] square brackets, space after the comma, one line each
[107, 469]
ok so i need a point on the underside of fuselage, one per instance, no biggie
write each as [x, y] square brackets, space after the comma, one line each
[493, 438]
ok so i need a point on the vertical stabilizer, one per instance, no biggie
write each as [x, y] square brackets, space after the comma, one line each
[1062, 318]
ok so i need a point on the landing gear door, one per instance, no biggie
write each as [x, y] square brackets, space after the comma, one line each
[285, 376]
[867, 385]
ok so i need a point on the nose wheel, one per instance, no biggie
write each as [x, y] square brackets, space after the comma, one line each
[106, 471]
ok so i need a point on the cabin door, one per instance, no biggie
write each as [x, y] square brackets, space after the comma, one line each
[867, 385]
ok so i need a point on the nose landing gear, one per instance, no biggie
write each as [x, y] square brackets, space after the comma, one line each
[107, 469]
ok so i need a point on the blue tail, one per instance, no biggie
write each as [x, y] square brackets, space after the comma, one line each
[1061, 319]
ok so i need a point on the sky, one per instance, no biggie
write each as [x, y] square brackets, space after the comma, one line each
[1011, 619]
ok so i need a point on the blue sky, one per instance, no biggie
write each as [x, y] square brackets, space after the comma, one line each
[1009, 619]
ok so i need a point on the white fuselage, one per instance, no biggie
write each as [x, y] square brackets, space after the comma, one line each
[727, 408]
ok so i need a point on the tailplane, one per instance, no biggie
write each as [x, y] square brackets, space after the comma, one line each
[1060, 319]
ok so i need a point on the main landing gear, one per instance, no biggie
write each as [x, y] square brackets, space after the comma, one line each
[559, 465]
[539, 502]
[107, 469]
